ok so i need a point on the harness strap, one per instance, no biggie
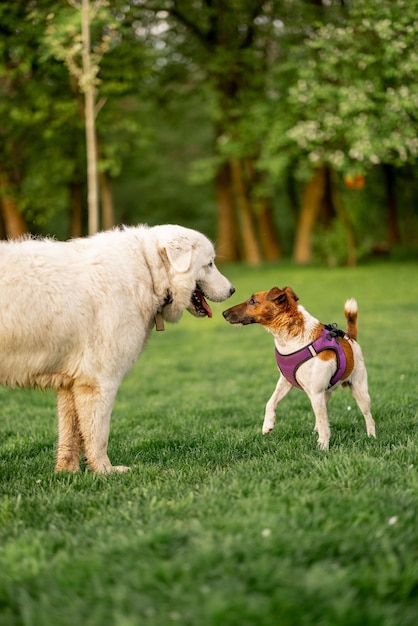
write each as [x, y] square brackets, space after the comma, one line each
[290, 363]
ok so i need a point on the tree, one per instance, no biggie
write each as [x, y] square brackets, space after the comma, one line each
[87, 83]
[40, 121]
[298, 94]
[72, 44]
[354, 99]
[42, 144]
[227, 47]
[17, 66]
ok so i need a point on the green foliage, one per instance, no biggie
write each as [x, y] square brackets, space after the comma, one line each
[330, 244]
[63, 38]
[37, 110]
[156, 186]
[216, 524]
[353, 98]
[185, 85]
[42, 134]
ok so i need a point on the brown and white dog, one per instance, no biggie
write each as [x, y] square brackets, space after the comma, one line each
[310, 355]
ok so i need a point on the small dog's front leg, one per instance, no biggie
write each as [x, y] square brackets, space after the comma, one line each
[327, 397]
[319, 405]
[282, 388]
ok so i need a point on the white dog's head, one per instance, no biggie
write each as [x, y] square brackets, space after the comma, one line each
[189, 258]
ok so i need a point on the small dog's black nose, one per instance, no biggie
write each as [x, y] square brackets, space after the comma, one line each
[232, 290]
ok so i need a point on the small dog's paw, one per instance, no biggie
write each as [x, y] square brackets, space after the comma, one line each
[323, 444]
[371, 430]
[267, 427]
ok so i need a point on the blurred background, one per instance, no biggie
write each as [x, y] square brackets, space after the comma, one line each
[280, 128]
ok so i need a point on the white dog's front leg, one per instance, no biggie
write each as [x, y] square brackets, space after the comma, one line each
[319, 405]
[69, 436]
[282, 388]
[94, 406]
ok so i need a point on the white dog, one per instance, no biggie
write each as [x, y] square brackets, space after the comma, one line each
[75, 315]
[310, 355]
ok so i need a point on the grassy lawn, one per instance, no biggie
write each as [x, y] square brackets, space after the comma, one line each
[216, 524]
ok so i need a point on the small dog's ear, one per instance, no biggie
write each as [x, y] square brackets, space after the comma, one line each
[277, 295]
[291, 293]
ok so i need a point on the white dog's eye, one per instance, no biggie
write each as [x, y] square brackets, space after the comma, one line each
[210, 264]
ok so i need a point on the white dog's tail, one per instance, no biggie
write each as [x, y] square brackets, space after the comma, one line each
[351, 314]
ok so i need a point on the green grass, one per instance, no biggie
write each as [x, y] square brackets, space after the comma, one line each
[216, 524]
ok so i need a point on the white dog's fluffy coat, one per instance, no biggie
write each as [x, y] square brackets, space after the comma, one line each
[75, 315]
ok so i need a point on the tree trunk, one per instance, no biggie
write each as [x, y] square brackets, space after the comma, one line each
[227, 231]
[246, 230]
[250, 246]
[14, 224]
[106, 196]
[76, 210]
[261, 209]
[90, 122]
[269, 242]
[313, 195]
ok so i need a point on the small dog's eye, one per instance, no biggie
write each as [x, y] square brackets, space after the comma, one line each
[251, 301]
[210, 264]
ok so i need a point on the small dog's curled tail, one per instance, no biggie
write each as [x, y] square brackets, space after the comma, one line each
[351, 314]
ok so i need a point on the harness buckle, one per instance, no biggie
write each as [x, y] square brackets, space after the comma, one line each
[312, 350]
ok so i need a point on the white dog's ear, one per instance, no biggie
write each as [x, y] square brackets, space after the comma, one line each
[179, 255]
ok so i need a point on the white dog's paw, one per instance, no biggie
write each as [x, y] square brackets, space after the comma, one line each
[104, 466]
[120, 468]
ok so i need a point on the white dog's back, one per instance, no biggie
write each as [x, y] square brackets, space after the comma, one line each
[53, 294]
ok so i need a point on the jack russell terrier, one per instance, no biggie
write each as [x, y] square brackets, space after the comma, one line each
[314, 357]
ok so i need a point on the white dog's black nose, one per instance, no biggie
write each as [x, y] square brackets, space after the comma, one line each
[232, 290]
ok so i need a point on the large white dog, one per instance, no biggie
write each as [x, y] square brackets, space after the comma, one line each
[75, 315]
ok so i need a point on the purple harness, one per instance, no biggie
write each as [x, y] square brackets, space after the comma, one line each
[288, 364]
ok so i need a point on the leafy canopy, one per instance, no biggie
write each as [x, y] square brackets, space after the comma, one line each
[353, 99]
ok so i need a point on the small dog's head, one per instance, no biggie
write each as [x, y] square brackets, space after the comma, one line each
[268, 308]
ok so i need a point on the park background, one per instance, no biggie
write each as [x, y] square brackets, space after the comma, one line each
[287, 131]
[280, 129]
